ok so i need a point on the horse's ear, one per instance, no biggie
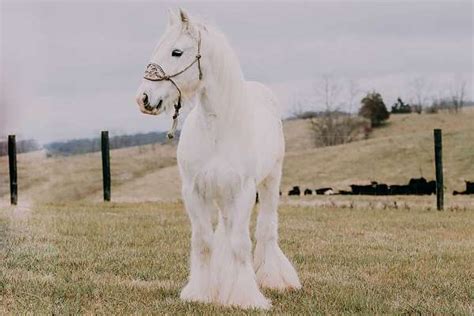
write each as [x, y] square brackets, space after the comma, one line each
[184, 16]
[172, 17]
[186, 21]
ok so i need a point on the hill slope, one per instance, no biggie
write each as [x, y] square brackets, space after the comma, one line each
[393, 154]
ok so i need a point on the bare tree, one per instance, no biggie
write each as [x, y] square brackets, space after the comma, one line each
[458, 93]
[297, 109]
[438, 102]
[419, 98]
[352, 91]
[328, 91]
[332, 126]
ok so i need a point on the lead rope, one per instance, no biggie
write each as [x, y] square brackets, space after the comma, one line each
[155, 72]
[177, 107]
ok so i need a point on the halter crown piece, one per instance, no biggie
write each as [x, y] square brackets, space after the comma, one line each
[155, 72]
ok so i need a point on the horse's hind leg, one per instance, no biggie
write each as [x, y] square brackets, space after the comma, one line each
[272, 268]
[198, 288]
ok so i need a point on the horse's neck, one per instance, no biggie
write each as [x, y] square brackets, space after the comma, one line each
[223, 103]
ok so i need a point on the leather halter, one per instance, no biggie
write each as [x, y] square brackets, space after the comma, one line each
[155, 72]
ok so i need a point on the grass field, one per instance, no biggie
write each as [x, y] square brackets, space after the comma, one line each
[64, 252]
[132, 259]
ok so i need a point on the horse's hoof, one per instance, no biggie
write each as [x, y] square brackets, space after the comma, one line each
[192, 294]
[256, 302]
[276, 272]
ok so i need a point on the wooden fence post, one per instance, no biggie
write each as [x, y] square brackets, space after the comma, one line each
[438, 147]
[105, 164]
[12, 169]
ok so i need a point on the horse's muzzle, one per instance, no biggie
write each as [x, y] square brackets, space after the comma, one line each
[145, 104]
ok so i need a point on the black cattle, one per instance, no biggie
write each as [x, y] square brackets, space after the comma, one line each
[256, 198]
[361, 189]
[343, 192]
[469, 189]
[422, 187]
[399, 189]
[323, 191]
[415, 186]
[370, 189]
[431, 187]
[295, 191]
[381, 189]
[308, 192]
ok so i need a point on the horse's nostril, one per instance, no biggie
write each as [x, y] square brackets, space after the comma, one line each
[145, 99]
[159, 104]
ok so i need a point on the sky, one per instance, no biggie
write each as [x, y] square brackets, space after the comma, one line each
[69, 69]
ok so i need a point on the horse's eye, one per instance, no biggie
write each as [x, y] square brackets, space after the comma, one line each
[177, 53]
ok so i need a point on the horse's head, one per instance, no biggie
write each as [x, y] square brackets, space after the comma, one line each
[175, 68]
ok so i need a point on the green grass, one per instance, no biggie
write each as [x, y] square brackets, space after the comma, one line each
[132, 258]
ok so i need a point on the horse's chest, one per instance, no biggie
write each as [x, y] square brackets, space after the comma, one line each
[210, 172]
[205, 159]
[213, 162]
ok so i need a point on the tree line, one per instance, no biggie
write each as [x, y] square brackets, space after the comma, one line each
[87, 145]
[22, 146]
[84, 145]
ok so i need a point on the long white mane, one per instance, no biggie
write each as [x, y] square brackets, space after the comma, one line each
[225, 68]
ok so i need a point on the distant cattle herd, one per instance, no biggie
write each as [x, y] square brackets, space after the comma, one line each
[469, 189]
[416, 186]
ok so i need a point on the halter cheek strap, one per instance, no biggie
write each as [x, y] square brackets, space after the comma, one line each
[155, 72]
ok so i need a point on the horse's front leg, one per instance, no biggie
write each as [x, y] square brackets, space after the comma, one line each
[198, 287]
[233, 277]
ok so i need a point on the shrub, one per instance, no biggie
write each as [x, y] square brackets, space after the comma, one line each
[433, 109]
[334, 128]
[417, 108]
[400, 107]
[374, 109]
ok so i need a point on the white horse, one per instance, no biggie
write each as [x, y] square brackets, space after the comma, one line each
[231, 146]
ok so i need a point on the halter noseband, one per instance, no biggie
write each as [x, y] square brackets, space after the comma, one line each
[155, 72]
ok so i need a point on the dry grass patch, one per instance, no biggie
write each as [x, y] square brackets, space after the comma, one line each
[132, 258]
[79, 177]
[392, 160]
